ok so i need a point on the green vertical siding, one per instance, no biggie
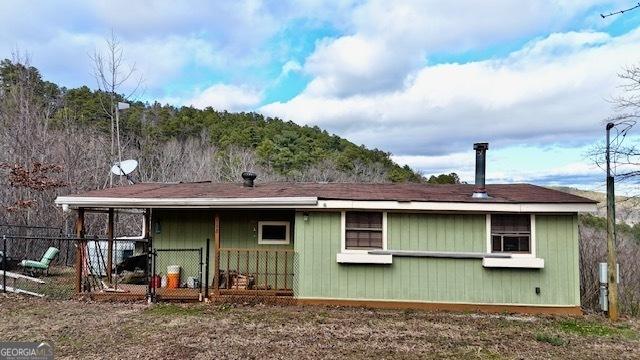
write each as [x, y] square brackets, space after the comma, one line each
[182, 229]
[437, 280]
[239, 229]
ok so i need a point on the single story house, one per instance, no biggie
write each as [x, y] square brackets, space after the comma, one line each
[496, 247]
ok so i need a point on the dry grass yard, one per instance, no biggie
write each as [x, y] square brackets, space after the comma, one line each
[91, 330]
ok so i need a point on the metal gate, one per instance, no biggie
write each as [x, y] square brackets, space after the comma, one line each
[179, 274]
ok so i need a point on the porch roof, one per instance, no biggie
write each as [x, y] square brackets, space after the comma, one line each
[302, 195]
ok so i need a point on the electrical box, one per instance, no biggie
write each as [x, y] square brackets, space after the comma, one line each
[602, 273]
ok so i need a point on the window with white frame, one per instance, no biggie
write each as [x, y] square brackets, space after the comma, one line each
[273, 232]
[511, 233]
[363, 230]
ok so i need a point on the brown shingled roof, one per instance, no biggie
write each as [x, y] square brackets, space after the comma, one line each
[499, 193]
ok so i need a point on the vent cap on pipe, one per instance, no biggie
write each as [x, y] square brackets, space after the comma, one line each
[248, 178]
[480, 192]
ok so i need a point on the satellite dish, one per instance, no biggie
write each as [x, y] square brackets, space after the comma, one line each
[124, 168]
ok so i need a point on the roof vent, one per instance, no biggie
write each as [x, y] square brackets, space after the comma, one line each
[480, 192]
[248, 178]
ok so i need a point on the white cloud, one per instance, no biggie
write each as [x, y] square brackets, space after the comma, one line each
[165, 39]
[290, 66]
[390, 40]
[226, 97]
[553, 90]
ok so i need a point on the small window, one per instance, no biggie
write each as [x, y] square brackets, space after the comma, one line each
[511, 233]
[363, 230]
[273, 232]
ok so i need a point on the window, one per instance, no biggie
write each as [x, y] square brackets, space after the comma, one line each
[511, 233]
[363, 230]
[273, 232]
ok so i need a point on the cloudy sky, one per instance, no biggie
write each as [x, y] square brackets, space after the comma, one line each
[423, 80]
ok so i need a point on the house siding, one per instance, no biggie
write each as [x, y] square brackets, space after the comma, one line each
[186, 229]
[318, 240]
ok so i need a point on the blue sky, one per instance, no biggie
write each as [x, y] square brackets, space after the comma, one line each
[421, 79]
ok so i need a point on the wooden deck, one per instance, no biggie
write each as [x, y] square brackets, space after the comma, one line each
[255, 293]
[139, 292]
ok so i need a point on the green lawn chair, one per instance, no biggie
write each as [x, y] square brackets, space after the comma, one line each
[43, 264]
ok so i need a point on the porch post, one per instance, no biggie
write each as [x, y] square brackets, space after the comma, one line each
[79, 228]
[147, 223]
[147, 248]
[216, 272]
[147, 231]
[109, 245]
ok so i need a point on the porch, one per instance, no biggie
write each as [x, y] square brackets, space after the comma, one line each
[193, 255]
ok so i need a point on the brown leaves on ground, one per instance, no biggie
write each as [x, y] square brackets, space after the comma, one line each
[204, 331]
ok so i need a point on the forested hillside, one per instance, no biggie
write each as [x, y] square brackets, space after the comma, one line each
[57, 140]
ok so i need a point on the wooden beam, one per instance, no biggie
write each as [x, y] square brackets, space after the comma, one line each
[79, 230]
[457, 307]
[147, 223]
[20, 276]
[20, 291]
[216, 271]
[110, 245]
[147, 248]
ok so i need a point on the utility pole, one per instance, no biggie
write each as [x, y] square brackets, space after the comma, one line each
[611, 235]
[119, 106]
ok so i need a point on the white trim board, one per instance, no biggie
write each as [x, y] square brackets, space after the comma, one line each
[286, 202]
[363, 258]
[516, 262]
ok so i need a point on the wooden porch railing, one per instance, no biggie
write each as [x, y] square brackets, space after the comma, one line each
[256, 270]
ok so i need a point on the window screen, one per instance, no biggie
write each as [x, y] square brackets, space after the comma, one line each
[363, 230]
[511, 233]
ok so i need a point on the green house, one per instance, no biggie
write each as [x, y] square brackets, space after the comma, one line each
[396, 245]
[499, 247]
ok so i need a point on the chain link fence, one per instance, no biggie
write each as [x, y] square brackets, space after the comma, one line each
[40, 266]
[41, 261]
[179, 274]
[127, 278]
[43, 265]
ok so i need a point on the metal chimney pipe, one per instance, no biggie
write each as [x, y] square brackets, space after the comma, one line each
[480, 191]
[248, 178]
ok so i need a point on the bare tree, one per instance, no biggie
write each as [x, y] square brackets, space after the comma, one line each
[625, 153]
[592, 251]
[112, 74]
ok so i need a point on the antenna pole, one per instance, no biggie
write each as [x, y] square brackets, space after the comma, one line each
[118, 136]
[611, 235]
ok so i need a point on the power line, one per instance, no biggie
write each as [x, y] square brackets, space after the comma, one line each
[620, 12]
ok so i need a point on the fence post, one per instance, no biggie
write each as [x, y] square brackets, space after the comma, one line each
[147, 269]
[4, 263]
[109, 265]
[80, 249]
[206, 272]
[200, 273]
[216, 270]
[154, 256]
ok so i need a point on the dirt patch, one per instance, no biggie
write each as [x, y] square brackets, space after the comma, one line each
[81, 329]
